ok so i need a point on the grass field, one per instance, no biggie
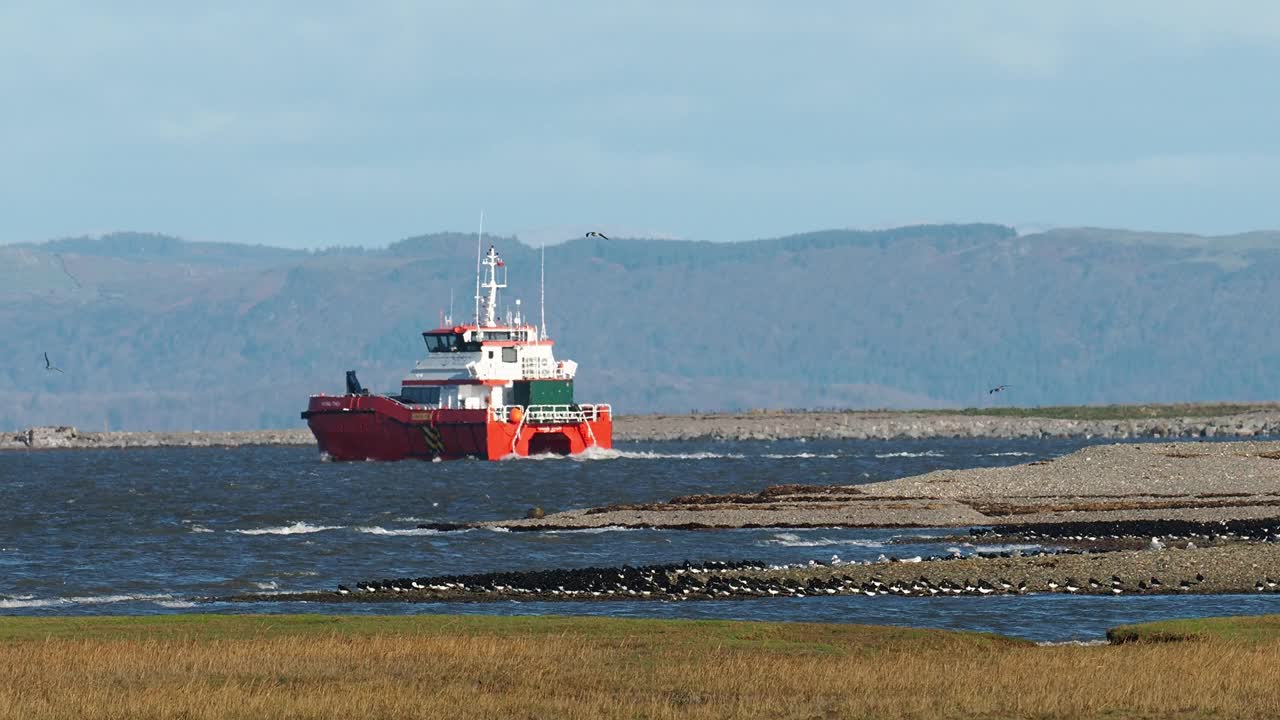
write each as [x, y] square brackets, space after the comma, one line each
[448, 667]
[1255, 629]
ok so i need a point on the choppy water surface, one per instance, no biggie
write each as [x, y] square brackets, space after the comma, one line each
[157, 531]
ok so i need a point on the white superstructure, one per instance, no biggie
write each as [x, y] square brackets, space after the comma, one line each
[476, 366]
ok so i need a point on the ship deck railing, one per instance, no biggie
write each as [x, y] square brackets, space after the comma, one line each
[554, 414]
[537, 368]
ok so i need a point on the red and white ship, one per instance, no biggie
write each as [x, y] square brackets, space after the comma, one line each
[489, 390]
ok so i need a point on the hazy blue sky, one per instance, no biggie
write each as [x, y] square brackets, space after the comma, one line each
[360, 123]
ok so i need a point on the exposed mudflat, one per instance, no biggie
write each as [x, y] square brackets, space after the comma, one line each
[1190, 481]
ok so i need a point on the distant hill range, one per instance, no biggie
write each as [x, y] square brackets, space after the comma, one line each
[154, 332]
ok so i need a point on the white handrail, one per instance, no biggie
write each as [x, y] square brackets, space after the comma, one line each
[553, 414]
[543, 368]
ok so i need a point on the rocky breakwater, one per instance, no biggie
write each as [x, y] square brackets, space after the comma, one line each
[66, 437]
[859, 425]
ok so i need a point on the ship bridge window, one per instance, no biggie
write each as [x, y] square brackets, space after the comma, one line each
[442, 343]
[508, 354]
[421, 395]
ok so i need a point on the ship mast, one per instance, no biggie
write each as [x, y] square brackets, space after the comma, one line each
[488, 302]
[542, 290]
[479, 237]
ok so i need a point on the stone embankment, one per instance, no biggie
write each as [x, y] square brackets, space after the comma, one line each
[771, 425]
[913, 426]
[65, 437]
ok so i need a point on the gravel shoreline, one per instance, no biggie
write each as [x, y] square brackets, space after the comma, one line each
[1123, 482]
[1231, 568]
[65, 437]
[772, 425]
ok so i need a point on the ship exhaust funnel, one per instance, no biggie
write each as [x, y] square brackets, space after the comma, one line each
[353, 384]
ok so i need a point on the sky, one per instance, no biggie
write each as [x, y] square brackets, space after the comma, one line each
[316, 124]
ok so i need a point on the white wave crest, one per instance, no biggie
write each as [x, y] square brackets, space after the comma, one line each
[200, 529]
[298, 528]
[793, 540]
[28, 601]
[590, 530]
[175, 604]
[1076, 643]
[905, 454]
[377, 530]
[802, 456]
[1011, 453]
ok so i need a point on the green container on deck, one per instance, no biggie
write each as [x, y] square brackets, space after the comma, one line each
[543, 392]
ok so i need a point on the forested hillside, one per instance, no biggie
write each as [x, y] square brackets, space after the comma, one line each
[157, 333]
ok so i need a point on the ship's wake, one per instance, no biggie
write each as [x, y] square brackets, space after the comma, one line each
[599, 453]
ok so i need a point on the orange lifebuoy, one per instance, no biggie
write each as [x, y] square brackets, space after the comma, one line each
[517, 414]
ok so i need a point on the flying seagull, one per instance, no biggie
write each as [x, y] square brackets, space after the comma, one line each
[50, 366]
[593, 233]
[997, 389]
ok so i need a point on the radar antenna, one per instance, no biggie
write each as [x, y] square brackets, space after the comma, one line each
[493, 282]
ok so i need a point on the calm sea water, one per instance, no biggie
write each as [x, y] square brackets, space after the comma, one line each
[161, 530]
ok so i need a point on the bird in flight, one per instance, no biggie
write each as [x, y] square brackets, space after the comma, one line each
[49, 365]
[998, 388]
[593, 233]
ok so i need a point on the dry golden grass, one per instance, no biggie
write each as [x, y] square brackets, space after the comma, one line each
[577, 668]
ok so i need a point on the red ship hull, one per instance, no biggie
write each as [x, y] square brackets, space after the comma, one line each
[377, 427]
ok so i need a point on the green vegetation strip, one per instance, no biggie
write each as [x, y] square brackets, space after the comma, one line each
[803, 637]
[812, 637]
[1249, 629]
